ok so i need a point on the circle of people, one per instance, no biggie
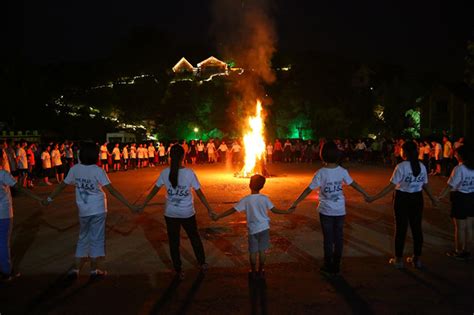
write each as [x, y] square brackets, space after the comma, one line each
[409, 180]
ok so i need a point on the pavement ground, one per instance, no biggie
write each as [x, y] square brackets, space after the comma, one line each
[140, 279]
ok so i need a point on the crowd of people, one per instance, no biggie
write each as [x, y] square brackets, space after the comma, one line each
[409, 180]
[30, 162]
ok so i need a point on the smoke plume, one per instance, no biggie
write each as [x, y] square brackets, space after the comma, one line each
[245, 32]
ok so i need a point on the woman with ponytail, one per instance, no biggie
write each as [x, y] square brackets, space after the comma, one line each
[179, 209]
[461, 186]
[409, 179]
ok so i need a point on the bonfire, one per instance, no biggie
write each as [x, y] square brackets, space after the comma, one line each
[254, 145]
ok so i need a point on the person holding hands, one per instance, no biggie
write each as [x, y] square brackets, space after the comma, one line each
[89, 179]
[461, 186]
[179, 209]
[409, 179]
[255, 207]
[332, 207]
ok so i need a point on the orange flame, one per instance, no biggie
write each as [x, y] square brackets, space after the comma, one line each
[254, 143]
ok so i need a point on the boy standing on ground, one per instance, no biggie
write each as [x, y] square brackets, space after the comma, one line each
[256, 206]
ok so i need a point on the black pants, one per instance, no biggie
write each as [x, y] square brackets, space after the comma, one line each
[446, 166]
[173, 225]
[332, 227]
[408, 211]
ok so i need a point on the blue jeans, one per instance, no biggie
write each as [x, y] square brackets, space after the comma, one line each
[5, 236]
[332, 227]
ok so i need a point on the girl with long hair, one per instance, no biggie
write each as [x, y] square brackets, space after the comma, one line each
[179, 209]
[461, 186]
[409, 179]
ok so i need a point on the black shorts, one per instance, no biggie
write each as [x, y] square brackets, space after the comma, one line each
[22, 171]
[116, 161]
[462, 205]
[104, 162]
[59, 169]
[151, 159]
[47, 172]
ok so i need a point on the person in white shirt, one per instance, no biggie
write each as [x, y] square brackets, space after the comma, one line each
[235, 150]
[104, 157]
[6, 220]
[409, 179]
[332, 206]
[222, 150]
[255, 207]
[125, 157]
[436, 157]
[89, 180]
[270, 153]
[162, 153]
[151, 155]
[133, 156]
[57, 163]
[22, 163]
[46, 165]
[448, 154]
[141, 156]
[179, 209]
[116, 155]
[211, 152]
[201, 158]
[461, 186]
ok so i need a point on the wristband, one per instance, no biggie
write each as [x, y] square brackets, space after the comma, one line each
[49, 199]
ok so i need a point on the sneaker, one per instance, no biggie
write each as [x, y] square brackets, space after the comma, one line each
[98, 274]
[72, 274]
[397, 263]
[6, 278]
[49, 183]
[415, 262]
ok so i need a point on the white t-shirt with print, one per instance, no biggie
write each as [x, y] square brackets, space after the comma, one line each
[269, 149]
[179, 200]
[162, 150]
[22, 159]
[103, 152]
[88, 179]
[133, 152]
[236, 147]
[6, 204]
[56, 157]
[223, 147]
[125, 153]
[211, 147]
[200, 147]
[140, 153]
[462, 179]
[116, 154]
[331, 196]
[151, 151]
[256, 208]
[403, 178]
[46, 158]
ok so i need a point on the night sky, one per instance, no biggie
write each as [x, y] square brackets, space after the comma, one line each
[425, 35]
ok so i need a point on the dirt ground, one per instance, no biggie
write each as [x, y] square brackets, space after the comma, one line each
[140, 280]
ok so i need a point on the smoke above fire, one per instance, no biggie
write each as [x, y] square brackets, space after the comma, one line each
[245, 33]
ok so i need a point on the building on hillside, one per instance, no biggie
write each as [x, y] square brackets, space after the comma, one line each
[211, 66]
[184, 67]
[448, 108]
